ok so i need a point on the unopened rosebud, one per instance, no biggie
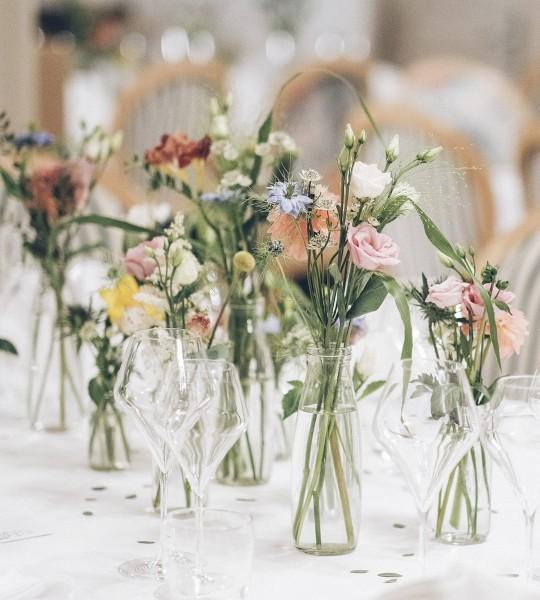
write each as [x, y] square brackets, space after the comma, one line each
[243, 261]
[429, 155]
[392, 151]
[348, 139]
[362, 137]
[445, 261]
[459, 250]
[472, 251]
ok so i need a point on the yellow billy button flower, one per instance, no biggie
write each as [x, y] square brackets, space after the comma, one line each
[244, 262]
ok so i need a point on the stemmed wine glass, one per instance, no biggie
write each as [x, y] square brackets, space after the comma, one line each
[203, 447]
[152, 384]
[426, 420]
[511, 434]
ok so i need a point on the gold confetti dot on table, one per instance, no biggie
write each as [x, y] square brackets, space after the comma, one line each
[87, 513]
[391, 575]
[131, 496]
[99, 488]
[145, 542]
[407, 554]
[393, 580]
[361, 571]
[398, 525]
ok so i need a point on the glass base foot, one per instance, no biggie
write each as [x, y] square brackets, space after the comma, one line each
[141, 568]
[327, 549]
[460, 539]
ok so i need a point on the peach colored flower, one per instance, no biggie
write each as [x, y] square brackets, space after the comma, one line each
[138, 263]
[511, 331]
[60, 188]
[370, 249]
[447, 293]
[291, 232]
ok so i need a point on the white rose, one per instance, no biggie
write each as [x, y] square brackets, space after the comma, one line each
[368, 181]
[150, 295]
[186, 272]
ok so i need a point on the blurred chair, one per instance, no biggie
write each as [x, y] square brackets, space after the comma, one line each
[166, 98]
[518, 255]
[313, 108]
[529, 163]
[476, 99]
[454, 190]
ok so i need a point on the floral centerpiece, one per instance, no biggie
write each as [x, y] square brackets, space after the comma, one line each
[53, 183]
[460, 330]
[348, 262]
[232, 214]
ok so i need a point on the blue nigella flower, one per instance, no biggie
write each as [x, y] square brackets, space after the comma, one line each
[286, 196]
[34, 138]
[217, 196]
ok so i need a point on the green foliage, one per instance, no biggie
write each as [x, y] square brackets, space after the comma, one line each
[7, 346]
[370, 299]
[291, 399]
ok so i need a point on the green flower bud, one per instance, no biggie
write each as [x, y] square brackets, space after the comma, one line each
[392, 151]
[429, 155]
[501, 285]
[459, 250]
[445, 261]
[344, 159]
[362, 137]
[349, 136]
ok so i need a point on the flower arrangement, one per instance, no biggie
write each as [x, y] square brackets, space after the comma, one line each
[53, 184]
[461, 329]
[348, 260]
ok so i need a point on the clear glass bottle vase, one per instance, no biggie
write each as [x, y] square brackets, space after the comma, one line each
[462, 513]
[108, 447]
[326, 487]
[250, 460]
[54, 394]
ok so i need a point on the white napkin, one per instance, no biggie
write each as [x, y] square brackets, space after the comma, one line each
[16, 586]
[460, 582]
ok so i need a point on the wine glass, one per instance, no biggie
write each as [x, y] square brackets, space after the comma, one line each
[200, 451]
[152, 384]
[426, 420]
[511, 434]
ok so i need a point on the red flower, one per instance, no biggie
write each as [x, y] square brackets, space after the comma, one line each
[178, 150]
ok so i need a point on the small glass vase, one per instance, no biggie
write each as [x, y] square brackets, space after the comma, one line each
[326, 487]
[108, 447]
[250, 460]
[462, 513]
[54, 399]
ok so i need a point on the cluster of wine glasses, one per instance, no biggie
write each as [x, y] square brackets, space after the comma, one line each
[427, 421]
[190, 409]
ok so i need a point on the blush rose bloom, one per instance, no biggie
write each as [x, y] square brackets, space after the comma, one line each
[447, 293]
[138, 263]
[371, 250]
[368, 181]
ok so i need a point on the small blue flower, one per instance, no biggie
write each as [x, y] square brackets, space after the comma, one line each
[34, 138]
[286, 196]
[217, 196]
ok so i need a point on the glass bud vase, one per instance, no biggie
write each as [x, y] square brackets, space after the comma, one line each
[54, 392]
[250, 460]
[108, 448]
[462, 513]
[326, 489]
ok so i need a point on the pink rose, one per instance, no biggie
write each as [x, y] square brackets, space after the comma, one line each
[473, 303]
[371, 250]
[447, 293]
[138, 263]
[511, 332]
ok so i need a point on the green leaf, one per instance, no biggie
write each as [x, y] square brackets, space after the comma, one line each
[7, 346]
[333, 269]
[95, 390]
[371, 388]
[291, 399]
[262, 136]
[370, 299]
[502, 305]
[400, 298]
[438, 239]
[488, 303]
[109, 222]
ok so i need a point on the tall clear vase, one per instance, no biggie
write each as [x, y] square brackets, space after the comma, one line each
[462, 513]
[326, 487]
[108, 447]
[250, 460]
[55, 390]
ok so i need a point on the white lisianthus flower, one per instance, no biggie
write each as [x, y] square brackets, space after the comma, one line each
[406, 190]
[282, 143]
[151, 296]
[235, 177]
[368, 181]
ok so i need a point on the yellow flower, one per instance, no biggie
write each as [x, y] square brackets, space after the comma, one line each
[121, 297]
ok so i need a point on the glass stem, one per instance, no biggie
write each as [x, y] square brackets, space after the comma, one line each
[163, 485]
[529, 545]
[422, 539]
[199, 525]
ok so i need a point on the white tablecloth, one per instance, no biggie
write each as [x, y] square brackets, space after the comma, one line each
[47, 486]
